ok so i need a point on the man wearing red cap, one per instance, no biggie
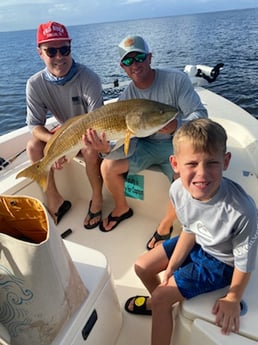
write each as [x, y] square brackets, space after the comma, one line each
[65, 89]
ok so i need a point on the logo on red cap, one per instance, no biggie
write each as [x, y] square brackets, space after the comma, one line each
[52, 31]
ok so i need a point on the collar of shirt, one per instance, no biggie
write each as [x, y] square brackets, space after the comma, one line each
[61, 80]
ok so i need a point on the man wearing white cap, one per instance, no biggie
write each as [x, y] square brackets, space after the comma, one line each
[65, 89]
[172, 87]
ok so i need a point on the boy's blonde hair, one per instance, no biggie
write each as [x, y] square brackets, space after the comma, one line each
[205, 135]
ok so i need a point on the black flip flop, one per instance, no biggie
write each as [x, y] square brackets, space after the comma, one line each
[158, 238]
[91, 216]
[139, 305]
[118, 220]
[63, 209]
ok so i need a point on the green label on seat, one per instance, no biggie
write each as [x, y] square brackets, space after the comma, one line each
[134, 187]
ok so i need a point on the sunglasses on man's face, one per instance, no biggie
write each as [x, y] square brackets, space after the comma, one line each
[51, 51]
[128, 61]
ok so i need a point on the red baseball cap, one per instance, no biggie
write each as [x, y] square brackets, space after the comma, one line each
[52, 31]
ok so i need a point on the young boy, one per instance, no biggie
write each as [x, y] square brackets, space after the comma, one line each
[218, 243]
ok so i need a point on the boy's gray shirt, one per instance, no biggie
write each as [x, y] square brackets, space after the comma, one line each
[225, 226]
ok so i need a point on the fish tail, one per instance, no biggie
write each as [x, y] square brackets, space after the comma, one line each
[37, 173]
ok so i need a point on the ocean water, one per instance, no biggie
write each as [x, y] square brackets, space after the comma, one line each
[229, 37]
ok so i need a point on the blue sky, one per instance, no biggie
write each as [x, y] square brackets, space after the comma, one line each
[27, 14]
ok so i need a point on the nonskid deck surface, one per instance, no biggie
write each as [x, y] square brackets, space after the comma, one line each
[121, 246]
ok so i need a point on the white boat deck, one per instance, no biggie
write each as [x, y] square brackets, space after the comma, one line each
[122, 246]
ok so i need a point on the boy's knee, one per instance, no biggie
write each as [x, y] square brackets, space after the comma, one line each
[139, 270]
[143, 270]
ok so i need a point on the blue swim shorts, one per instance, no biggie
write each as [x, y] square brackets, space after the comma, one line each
[200, 273]
[146, 152]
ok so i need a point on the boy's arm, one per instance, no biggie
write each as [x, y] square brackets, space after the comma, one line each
[227, 308]
[183, 247]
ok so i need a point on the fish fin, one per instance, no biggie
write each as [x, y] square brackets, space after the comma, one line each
[37, 173]
[127, 141]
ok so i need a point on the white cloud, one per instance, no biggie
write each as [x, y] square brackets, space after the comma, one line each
[59, 7]
[10, 3]
[128, 2]
[27, 14]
